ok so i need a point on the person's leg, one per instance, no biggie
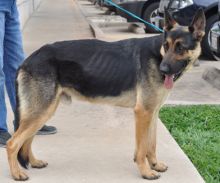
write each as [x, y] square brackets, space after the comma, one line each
[13, 57]
[4, 135]
[3, 125]
[13, 52]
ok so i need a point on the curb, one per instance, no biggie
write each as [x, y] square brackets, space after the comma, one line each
[177, 102]
[97, 32]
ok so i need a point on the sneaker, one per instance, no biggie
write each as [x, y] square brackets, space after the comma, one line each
[4, 136]
[47, 130]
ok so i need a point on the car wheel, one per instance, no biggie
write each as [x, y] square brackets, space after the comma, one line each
[149, 15]
[206, 49]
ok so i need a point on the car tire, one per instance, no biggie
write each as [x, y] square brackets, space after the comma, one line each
[206, 50]
[147, 16]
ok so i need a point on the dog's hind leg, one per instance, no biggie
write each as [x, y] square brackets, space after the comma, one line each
[13, 146]
[21, 143]
[38, 100]
[143, 119]
[35, 163]
[27, 154]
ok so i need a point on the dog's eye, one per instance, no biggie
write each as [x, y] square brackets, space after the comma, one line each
[179, 48]
[166, 46]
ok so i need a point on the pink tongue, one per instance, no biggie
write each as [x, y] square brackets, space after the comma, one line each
[168, 82]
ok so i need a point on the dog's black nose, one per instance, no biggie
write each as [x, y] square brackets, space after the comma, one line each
[164, 68]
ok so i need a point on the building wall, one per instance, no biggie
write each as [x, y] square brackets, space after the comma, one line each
[26, 8]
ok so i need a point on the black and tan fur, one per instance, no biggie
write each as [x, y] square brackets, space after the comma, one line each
[126, 73]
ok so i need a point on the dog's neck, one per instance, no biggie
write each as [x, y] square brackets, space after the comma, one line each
[151, 48]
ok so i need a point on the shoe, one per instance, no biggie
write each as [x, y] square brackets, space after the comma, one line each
[47, 130]
[4, 136]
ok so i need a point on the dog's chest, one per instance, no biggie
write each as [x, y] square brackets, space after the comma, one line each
[162, 95]
[125, 99]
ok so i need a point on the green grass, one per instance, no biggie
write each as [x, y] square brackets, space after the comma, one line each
[197, 131]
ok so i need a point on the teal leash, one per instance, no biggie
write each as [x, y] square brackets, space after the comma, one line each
[133, 15]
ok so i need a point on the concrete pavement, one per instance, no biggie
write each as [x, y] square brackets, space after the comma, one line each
[55, 21]
[94, 143]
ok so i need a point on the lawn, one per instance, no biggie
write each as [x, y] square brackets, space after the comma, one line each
[197, 130]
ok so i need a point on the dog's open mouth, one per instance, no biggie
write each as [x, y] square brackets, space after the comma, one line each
[169, 79]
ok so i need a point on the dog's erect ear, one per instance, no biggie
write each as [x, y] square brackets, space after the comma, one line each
[197, 26]
[169, 22]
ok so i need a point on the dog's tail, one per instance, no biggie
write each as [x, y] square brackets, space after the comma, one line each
[23, 161]
[17, 114]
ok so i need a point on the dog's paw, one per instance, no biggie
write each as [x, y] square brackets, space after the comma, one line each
[20, 176]
[160, 167]
[39, 164]
[151, 175]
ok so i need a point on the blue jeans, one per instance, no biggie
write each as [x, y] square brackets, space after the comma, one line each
[11, 57]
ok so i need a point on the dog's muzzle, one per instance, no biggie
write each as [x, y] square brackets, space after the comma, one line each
[172, 72]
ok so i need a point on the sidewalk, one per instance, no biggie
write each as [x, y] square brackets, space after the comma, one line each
[94, 143]
[55, 20]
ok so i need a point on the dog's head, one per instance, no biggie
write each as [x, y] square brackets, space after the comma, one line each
[181, 46]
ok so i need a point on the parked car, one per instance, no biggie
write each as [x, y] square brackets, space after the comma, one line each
[215, 37]
[183, 11]
[145, 9]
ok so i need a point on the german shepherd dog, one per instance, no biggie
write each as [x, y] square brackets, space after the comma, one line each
[136, 73]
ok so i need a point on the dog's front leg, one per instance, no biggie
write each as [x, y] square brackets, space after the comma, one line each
[151, 145]
[144, 118]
